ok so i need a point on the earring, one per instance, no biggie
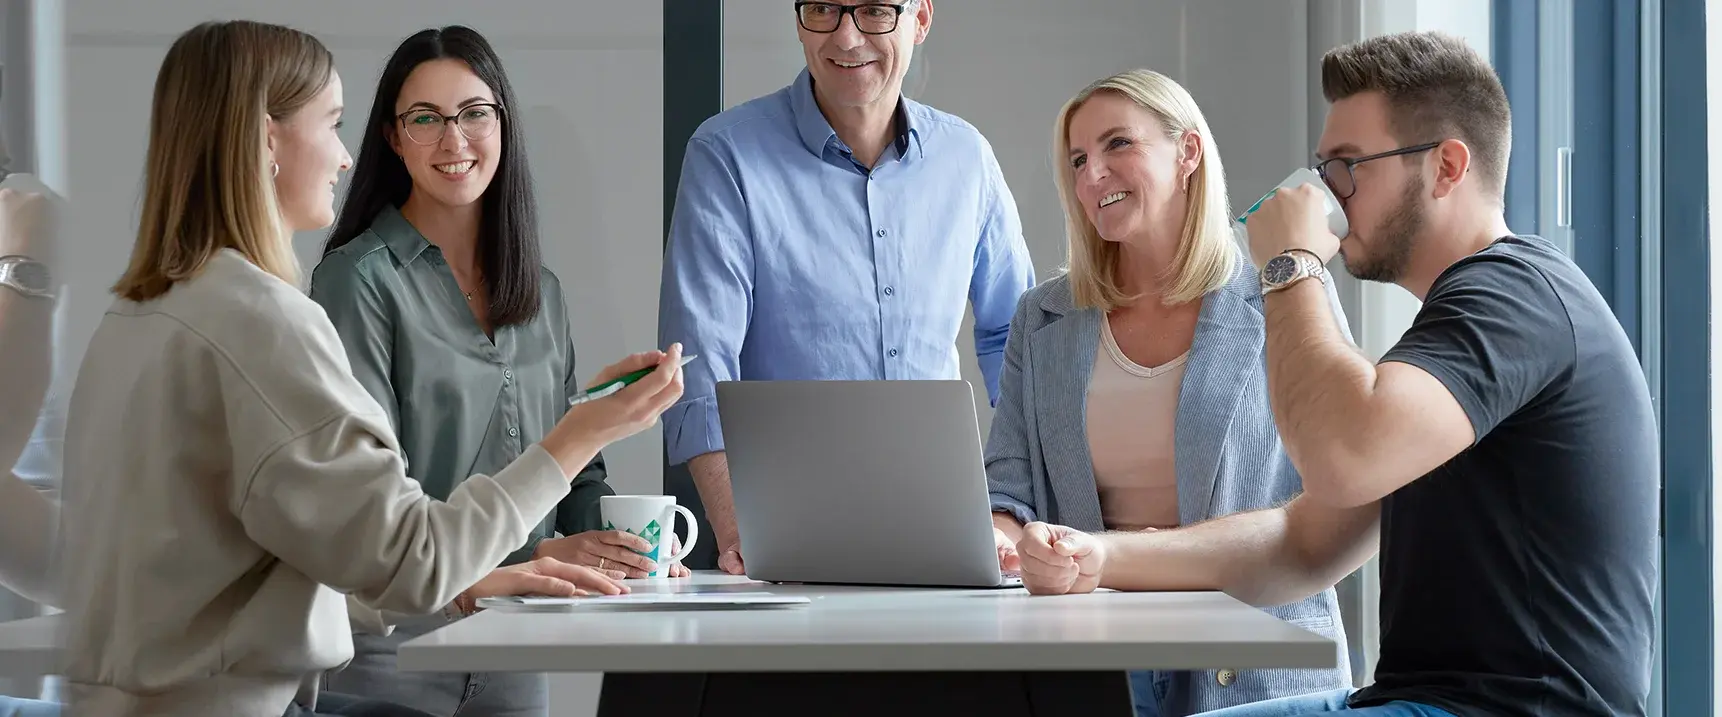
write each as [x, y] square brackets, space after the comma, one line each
[274, 170]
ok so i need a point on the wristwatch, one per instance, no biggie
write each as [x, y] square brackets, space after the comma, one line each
[26, 276]
[1290, 267]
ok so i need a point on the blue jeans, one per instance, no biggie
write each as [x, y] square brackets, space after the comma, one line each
[373, 673]
[334, 704]
[1325, 702]
[15, 707]
[1146, 691]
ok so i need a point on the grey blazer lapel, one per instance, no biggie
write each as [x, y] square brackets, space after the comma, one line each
[1226, 350]
[1063, 360]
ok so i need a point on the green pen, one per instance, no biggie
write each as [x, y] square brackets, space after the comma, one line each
[616, 384]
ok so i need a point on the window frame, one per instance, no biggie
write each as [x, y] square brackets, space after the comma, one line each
[693, 93]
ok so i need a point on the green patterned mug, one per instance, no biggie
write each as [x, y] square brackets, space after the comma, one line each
[651, 517]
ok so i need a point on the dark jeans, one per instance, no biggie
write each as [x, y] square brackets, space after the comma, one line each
[335, 704]
[1322, 703]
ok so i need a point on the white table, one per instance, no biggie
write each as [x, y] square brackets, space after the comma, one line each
[923, 650]
[29, 648]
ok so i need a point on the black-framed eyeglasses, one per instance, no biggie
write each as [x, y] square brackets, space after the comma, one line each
[1337, 171]
[871, 18]
[426, 126]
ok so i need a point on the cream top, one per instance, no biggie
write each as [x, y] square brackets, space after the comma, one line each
[243, 505]
[1132, 419]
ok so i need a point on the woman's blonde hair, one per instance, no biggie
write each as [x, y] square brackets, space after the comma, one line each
[208, 184]
[1206, 255]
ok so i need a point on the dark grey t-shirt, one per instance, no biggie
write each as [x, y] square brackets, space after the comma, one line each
[1518, 578]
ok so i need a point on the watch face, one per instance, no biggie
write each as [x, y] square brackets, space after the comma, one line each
[1279, 269]
[29, 275]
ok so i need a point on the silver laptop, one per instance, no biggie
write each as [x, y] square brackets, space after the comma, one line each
[860, 482]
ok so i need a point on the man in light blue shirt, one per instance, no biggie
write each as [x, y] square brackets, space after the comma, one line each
[833, 230]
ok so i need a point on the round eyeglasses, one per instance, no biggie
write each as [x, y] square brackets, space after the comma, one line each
[426, 126]
[1337, 171]
[871, 18]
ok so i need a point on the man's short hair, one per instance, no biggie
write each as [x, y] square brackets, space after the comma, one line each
[1436, 88]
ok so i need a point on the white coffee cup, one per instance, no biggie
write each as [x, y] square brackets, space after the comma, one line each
[652, 517]
[1336, 222]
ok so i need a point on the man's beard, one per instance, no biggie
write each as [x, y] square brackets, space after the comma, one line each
[1389, 250]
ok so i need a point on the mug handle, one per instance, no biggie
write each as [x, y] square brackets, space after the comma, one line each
[693, 533]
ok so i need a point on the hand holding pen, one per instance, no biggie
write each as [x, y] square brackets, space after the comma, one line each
[637, 389]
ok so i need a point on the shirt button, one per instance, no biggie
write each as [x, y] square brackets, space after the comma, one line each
[892, 353]
[889, 291]
[507, 375]
[881, 232]
[1225, 677]
[512, 431]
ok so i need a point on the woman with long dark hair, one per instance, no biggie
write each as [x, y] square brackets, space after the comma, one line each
[433, 278]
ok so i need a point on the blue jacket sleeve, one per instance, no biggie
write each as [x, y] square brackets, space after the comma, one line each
[706, 294]
[1009, 463]
[1003, 271]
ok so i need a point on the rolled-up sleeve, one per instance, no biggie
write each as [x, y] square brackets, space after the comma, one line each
[706, 295]
[1009, 465]
[1003, 271]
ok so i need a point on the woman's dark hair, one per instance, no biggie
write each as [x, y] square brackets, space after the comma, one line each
[508, 253]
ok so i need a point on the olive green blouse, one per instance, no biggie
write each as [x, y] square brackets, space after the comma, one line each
[460, 403]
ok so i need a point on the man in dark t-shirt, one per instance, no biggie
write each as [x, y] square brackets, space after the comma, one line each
[1504, 451]
[1517, 577]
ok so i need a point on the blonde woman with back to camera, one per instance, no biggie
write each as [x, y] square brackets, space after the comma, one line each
[247, 498]
[1134, 391]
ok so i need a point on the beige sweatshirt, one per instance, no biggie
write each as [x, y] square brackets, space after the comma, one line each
[27, 519]
[226, 481]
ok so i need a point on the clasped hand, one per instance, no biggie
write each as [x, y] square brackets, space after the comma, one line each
[1053, 559]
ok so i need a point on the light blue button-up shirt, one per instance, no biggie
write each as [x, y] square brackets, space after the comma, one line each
[789, 260]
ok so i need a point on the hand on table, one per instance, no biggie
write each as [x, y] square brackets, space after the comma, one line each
[677, 569]
[544, 576]
[1058, 560]
[1009, 561]
[729, 560]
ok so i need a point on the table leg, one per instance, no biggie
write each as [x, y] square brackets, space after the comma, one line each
[842, 694]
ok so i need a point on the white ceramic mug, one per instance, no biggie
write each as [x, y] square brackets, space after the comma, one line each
[1336, 221]
[652, 517]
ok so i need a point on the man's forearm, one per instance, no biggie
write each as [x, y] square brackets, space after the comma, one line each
[710, 472]
[1264, 557]
[1318, 384]
[1007, 523]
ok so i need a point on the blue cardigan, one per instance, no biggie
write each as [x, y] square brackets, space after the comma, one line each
[1228, 454]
